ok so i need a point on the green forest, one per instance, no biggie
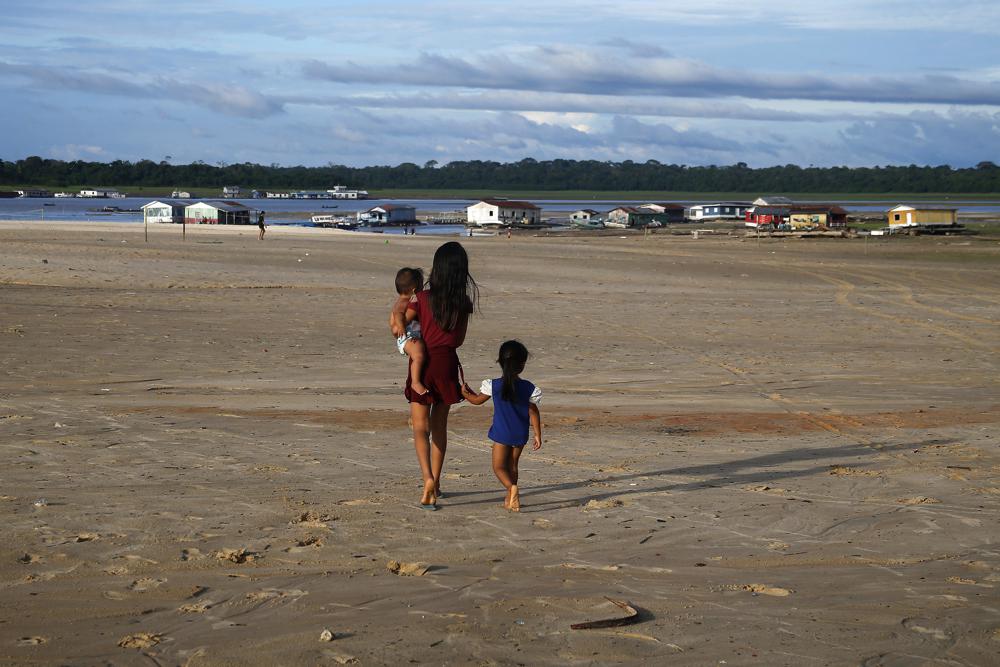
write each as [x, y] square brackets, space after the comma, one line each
[527, 174]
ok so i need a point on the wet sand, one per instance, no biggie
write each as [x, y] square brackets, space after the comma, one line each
[781, 453]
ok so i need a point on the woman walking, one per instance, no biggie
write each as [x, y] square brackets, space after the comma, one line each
[443, 311]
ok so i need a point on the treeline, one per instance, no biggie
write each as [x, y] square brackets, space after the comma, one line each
[528, 174]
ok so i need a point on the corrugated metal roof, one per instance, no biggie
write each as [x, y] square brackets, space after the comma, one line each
[509, 203]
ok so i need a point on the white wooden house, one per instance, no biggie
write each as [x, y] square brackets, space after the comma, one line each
[217, 213]
[100, 193]
[231, 191]
[583, 215]
[503, 212]
[167, 210]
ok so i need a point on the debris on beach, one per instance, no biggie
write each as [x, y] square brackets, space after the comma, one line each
[764, 589]
[239, 556]
[408, 569]
[603, 504]
[918, 500]
[631, 616]
[140, 640]
[326, 636]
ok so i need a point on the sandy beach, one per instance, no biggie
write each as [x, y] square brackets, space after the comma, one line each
[781, 452]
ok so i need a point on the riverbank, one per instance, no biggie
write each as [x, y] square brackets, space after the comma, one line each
[781, 453]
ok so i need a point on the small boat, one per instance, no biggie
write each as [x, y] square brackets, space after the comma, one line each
[48, 203]
[587, 224]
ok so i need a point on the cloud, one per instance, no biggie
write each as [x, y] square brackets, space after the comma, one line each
[956, 138]
[227, 99]
[77, 152]
[525, 101]
[567, 70]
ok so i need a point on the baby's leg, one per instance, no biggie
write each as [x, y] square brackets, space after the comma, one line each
[415, 350]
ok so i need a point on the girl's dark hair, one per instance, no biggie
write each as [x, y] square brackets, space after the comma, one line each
[408, 278]
[454, 294]
[512, 358]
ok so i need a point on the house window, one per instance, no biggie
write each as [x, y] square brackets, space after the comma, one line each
[896, 217]
[491, 214]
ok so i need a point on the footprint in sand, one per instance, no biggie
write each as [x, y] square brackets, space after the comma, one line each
[28, 559]
[923, 626]
[87, 537]
[918, 500]
[762, 589]
[778, 546]
[140, 640]
[145, 584]
[847, 471]
[195, 608]
[191, 554]
[32, 641]
[610, 503]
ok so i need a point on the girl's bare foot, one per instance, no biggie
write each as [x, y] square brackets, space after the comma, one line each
[429, 497]
[515, 500]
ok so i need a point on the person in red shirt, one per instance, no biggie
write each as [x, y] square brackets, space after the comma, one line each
[443, 310]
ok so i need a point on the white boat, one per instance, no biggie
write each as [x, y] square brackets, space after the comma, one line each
[587, 224]
[64, 194]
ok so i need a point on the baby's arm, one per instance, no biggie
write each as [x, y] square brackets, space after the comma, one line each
[397, 321]
[535, 416]
[474, 397]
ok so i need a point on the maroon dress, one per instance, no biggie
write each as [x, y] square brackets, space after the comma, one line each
[441, 367]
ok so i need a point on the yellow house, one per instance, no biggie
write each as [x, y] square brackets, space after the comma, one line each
[910, 215]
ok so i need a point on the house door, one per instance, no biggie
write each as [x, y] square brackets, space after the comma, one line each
[909, 218]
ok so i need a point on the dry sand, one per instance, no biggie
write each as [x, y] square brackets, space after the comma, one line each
[781, 454]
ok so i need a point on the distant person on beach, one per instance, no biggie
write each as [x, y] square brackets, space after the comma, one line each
[443, 310]
[260, 223]
[515, 409]
[408, 342]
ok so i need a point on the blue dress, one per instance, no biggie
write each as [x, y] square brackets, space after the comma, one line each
[511, 423]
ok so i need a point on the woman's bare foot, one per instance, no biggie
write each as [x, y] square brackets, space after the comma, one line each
[429, 497]
[514, 504]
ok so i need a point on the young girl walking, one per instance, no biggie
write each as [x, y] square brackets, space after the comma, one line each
[515, 410]
[443, 310]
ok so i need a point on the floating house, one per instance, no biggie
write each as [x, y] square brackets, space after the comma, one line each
[797, 216]
[635, 216]
[183, 194]
[341, 192]
[923, 215]
[388, 214]
[719, 211]
[230, 191]
[503, 212]
[166, 210]
[666, 212]
[217, 213]
[34, 194]
[583, 215]
[101, 193]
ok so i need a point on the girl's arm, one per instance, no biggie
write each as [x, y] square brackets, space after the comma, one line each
[461, 330]
[535, 416]
[474, 397]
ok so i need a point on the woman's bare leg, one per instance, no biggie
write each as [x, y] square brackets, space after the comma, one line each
[420, 416]
[439, 439]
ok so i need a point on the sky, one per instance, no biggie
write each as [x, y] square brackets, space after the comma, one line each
[383, 82]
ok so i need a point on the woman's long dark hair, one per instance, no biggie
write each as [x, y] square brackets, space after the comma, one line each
[454, 294]
[512, 358]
